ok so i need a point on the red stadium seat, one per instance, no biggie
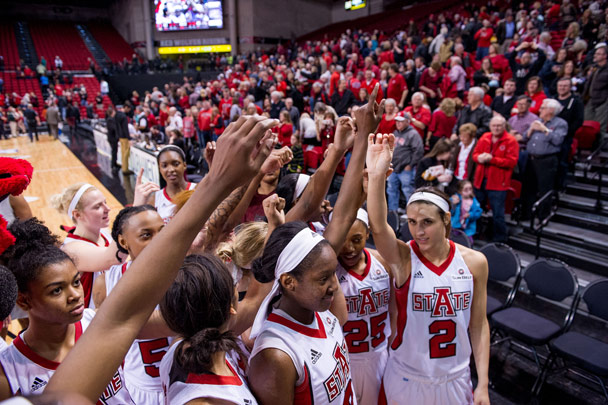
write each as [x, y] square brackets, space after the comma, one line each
[513, 194]
[312, 159]
[587, 134]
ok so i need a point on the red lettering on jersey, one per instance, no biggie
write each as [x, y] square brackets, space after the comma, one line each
[428, 301]
[466, 300]
[339, 378]
[417, 302]
[443, 303]
[111, 389]
[457, 296]
[368, 306]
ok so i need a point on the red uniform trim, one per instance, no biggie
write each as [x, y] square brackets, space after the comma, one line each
[106, 242]
[34, 357]
[361, 277]
[303, 392]
[435, 269]
[401, 295]
[124, 268]
[167, 195]
[315, 333]
[213, 379]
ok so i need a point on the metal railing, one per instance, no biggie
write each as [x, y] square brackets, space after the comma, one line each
[542, 215]
[599, 172]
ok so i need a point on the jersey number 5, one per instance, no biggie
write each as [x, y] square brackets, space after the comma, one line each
[152, 352]
[356, 333]
[440, 345]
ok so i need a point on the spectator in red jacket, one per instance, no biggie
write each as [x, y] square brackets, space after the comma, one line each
[397, 88]
[442, 122]
[429, 83]
[534, 90]
[421, 116]
[496, 155]
[483, 38]
[387, 124]
[369, 84]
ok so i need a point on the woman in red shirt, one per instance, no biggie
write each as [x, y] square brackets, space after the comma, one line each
[429, 83]
[217, 123]
[534, 90]
[483, 38]
[285, 128]
[442, 122]
[387, 125]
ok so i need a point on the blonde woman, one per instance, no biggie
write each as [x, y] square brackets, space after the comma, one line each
[442, 122]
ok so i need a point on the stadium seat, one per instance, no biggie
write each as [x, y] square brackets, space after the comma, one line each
[513, 196]
[585, 352]
[393, 221]
[587, 134]
[458, 236]
[312, 159]
[404, 233]
[552, 280]
[503, 265]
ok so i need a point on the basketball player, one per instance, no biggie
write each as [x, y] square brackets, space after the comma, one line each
[440, 289]
[133, 229]
[206, 363]
[172, 166]
[89, 365]
[300, 354]
[366, 284]
[51, 293]
[89, 244]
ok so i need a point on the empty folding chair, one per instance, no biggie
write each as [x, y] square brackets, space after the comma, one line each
[458, 236]
[552, 280]
[581, 351]
[503, 265]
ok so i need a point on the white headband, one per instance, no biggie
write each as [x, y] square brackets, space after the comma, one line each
[293, 254]
[77, 198]
[361, 216]
[301, 184]
[430, 197]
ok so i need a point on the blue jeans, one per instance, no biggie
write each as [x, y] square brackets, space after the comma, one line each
[404, 182]
[481, 53]
[497, 204]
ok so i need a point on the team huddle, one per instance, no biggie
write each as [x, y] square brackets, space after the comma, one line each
[182, 302]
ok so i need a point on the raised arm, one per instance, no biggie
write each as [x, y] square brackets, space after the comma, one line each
[395, 252]
[89, 257]
[93, 361]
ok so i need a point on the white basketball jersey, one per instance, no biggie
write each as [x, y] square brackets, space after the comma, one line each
[142, 362]
[163, 204]
[367, 299]
[179, 386]
[318, 352]
[87, 278]
[434, 309]
[28, 372]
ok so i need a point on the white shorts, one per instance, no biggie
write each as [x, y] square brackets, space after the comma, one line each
[367, 370]
[453, 389]
[142, 396]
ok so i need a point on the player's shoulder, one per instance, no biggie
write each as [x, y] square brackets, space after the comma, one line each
[475, 261]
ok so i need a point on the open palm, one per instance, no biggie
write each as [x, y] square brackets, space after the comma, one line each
[379, 153]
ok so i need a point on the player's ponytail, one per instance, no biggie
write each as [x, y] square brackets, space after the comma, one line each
[197, 307]
[195, 354]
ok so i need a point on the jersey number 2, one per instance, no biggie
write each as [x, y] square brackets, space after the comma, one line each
[356, 332]
[440, 345]
[152, 352]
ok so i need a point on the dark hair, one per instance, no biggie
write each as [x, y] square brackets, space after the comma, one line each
[171, 148]
[433, 190]
[539, 81]
[8, 292]
[263, 267]
[196, 305]
[512, 80]
[443, 145]
[524, 97]
[35, 248]
[286, 188]
[122, 218]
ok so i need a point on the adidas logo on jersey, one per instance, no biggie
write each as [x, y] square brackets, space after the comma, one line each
[342, 279]
[247, 401]
[418, 274]
[38, 383]
[315, 356]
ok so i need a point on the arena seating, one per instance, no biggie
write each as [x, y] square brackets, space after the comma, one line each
[8, 46]
[56, 38]
[92, 85]
[111, 41]
[22, 86]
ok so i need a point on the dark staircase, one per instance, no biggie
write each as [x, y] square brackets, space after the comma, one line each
[578, 231]
[97, 51]
[25, 45]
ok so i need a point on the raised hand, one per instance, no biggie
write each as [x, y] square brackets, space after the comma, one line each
[345, 133]
[369, 116]
[241, 150]
[273, 209]
[143, 190]
[209, 152]
[277, 159]
[380, 153]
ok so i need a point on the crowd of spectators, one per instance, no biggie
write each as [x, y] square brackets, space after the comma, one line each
[477, 95]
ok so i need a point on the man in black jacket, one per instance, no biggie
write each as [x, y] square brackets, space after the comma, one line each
[573, 114]
[342, 99]
[503, 104]
[477, 113]
[596, 89]
[525, 69]
[112, 136]
[408, 152]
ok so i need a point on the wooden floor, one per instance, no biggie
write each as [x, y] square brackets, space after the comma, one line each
[55, 168]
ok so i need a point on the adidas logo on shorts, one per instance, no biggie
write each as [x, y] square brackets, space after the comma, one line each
[315, 356]
[418, 274]
[38, 383]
